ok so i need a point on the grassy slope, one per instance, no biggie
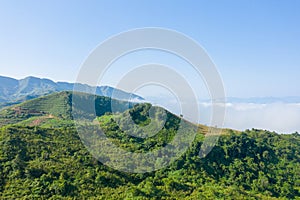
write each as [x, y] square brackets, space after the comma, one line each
[59, 105]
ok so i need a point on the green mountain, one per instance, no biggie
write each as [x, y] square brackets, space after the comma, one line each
[43, 157]
[13, 91]
[59, 106]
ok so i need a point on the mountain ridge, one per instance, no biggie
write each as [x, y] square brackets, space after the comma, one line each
[13, 91]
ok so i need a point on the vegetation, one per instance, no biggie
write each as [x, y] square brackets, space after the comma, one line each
[59, 105]
[42, 157]
[14, 91]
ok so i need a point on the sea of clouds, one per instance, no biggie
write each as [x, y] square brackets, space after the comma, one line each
[277, 116]
[282, 116]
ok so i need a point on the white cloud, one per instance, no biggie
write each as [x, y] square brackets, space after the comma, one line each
[279, 117]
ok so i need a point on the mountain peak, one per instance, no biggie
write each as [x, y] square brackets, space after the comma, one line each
[14, 91]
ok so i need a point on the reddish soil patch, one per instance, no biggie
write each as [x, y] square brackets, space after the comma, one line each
[40, 120]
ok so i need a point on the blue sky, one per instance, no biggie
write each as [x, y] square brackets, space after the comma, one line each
[255, 44]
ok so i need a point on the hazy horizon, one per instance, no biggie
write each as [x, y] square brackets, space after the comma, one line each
[249, 98]
[242, 113]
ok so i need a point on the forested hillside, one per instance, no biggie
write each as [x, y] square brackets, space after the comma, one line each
[47, 160]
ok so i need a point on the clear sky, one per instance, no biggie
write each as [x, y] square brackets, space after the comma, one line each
[255, 44]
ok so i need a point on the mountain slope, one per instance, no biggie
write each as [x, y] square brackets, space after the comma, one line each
[8, 87]
[59, 105]
[14, 91]
[42, 156]
[52, 163]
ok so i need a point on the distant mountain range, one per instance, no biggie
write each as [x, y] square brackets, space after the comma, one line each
[13, 91]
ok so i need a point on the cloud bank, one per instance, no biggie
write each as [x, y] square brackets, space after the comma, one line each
[281, 117]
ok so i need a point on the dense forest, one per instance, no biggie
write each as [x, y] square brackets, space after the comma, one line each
[42, 157]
